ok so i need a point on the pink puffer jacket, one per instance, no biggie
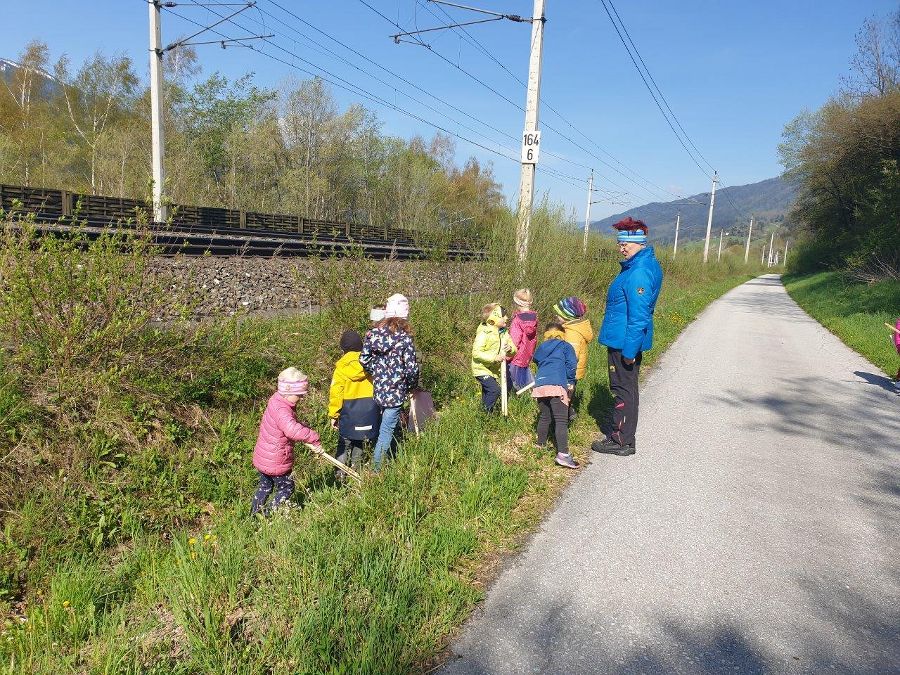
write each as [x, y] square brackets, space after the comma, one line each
[523, 333]
[279, 429]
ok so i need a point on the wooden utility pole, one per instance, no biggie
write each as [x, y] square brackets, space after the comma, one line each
[587, 213]
[719, 256]
[531, 135]
[747, 248]
[675, 248]
[156, 113]
[712, 202]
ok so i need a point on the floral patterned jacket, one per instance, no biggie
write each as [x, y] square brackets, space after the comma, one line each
[390, 360]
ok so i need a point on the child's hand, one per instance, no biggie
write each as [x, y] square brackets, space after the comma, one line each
[334, 422]
[317, 448]
[500, 358]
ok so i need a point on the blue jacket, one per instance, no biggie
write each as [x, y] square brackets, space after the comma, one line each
[556, 361]
[628, 320]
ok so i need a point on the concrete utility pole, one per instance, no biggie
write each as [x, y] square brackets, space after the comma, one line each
[587, 214]
[771, 248]
[712, 201]
[719, 257]
[762, 258]
[747, 249]
[784, 262]
[677, 223]
[526, 184]
[156, 116]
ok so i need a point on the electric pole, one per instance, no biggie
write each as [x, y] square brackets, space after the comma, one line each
[529, 163]
[771, 248]
[747, 249]
[712, 201]
[587, 214]
[677, 223]
[762, 258]
[156, 116]
[719, 257]
[785, 254]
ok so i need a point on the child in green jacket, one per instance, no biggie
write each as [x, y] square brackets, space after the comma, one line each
[489, 351]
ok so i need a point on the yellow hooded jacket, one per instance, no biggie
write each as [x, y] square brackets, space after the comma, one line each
[489, 342]
[578, 334]
[349, 381]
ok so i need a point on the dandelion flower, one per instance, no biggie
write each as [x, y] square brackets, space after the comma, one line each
[207, 537]
[65, 603]
[192, 541]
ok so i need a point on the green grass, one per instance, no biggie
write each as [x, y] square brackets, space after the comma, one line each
[855, 312]
[150, 564]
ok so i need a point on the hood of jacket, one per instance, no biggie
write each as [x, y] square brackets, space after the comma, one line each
[384, 340]
[582, 327]
[348, 366]
[528, 322]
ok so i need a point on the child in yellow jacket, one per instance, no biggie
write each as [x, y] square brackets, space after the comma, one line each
[489, 351]
[579, 333]
[351, 406]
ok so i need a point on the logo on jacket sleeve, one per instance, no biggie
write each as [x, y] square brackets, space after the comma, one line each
[640, 290]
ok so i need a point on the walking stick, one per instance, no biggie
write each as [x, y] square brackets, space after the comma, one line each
[331, 460]
[893, 328]
[504, 395]
[524, 389]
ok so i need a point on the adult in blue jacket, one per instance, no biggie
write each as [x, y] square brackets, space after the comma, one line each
[627, 331]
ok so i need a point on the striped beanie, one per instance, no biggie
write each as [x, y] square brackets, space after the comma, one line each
[570, 308]
[631, 231]
[292, 382]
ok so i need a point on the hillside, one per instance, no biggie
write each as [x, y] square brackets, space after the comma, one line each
[768, 201]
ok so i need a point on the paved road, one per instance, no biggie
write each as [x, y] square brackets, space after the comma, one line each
[756, 529]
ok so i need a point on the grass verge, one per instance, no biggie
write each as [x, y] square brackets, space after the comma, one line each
[368, 579]
[855, 312]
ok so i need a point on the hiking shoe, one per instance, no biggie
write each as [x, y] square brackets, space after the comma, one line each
[566, 460]
[609, 447]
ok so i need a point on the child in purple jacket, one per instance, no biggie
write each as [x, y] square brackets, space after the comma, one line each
[273, 455]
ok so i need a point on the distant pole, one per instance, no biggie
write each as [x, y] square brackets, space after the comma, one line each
[784, 262]
[677, 223]
[747, 248]
[762, 258]
[526, 183]
[719, 257]
[156, 114]
[771, 248]
[587, 214]
[712, 201]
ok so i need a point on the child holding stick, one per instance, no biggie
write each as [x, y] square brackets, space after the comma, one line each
[489, 351]
[273, 455]
[523, 333]
[553, 386]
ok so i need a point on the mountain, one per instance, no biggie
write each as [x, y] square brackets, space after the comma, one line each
[49, 85]
[767, 201]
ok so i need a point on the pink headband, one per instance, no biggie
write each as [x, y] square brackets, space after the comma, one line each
[298, 388]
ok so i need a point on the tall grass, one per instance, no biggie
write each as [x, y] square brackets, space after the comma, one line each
[128, 548]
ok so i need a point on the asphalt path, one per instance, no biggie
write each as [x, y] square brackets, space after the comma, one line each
[756, 529]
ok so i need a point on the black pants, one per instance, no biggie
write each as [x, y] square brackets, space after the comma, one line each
[572, 395]
[348, 448]
[490, 391]
[553, 409]
[284, 488]
[623, 383]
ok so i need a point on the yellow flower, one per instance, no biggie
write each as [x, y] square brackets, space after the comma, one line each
[192, 541]
[65, 603]
[193, 555]
[207, 537]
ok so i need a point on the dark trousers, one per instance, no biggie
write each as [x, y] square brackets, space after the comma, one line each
[349, 449]
[623, 383]
[552, 409]
[572, 394]
[284, 488]
[490, 391]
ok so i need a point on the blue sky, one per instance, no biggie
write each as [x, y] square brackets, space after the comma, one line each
[733, 72]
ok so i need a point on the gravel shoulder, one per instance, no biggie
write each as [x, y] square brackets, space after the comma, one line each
[756, 529]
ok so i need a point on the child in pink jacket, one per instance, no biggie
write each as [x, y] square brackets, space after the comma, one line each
[523, 333]
[273, 455]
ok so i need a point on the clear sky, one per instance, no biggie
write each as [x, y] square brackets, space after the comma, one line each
[733, 72]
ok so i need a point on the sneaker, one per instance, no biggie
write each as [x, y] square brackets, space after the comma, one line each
[610, 447]
[566, 460]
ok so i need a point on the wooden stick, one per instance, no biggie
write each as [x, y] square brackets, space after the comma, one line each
[412, 414]
[331, 460]
[504, 395]
[525, 388]
[893, 328]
